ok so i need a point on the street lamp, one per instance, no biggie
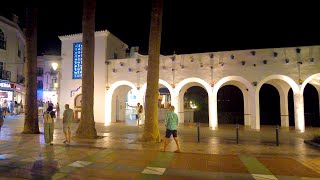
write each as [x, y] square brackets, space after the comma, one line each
[54, 65]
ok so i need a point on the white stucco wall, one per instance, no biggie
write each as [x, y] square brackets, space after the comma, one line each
[14, 40]
[213, 72]
[71, 87]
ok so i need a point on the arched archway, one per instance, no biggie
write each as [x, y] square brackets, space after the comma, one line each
[115, 100]
[269, 105]
[248, 98]
[311, 105]
[179, 91]
[230, 105]
[195, 105]
[164, 98]
[283, 84]
[313, 80]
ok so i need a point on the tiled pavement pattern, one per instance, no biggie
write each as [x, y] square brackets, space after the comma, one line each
[66, 162]
[121, 157]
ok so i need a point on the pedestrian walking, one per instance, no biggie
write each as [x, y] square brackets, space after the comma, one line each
[67, 119]
[58, 109]
[4, 108]
[136, 111]
[141, 115]
[1, 119]
[171, 123]
[48, 119]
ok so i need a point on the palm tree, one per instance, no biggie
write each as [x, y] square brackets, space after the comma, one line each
[31, 124]
[151, 128]
[86, 127]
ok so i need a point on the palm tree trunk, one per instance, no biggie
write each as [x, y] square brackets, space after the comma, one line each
[86, 127]
[151, 128]
[31, 124]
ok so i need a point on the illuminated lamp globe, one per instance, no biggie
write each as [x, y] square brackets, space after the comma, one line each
[54, 65]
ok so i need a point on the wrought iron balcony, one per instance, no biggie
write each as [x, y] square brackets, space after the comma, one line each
[5, 75]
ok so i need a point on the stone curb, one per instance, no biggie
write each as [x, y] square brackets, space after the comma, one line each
[311, 143]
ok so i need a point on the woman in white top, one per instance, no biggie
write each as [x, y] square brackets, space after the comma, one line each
[141, 115]
[5, 108]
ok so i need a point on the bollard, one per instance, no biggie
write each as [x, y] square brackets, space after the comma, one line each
[198, 126]
[237, 133]
[277, 135]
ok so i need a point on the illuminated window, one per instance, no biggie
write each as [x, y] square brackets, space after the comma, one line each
[2, 40]
[77, 61]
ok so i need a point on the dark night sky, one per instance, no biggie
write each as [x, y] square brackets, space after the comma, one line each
[188, 26]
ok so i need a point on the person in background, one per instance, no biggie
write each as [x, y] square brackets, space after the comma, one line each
[141, 115]
[1, 119]
[15, 108]
[66, 120]
[48, 125]
[58, 109]
[11, 108]
[50, 103]
[5, 108]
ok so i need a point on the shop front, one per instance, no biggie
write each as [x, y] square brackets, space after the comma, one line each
[6, 92]
[12, 92]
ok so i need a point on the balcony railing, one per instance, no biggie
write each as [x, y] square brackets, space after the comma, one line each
[5, 75]
[20, 79]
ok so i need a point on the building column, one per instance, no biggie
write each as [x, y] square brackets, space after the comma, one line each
[175, 101]
[284, 109]
[255, 123]
[252, 110]
[299, 111]
[246, 107]
[213, 110]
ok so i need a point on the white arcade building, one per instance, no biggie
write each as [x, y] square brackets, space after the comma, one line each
[121, 80]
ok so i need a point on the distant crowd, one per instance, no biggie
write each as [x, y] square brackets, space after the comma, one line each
[11, 108]
[43, 106]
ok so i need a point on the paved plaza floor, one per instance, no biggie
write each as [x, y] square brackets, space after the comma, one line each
[117, 154]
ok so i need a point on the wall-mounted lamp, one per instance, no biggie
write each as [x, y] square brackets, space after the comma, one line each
[54, 65]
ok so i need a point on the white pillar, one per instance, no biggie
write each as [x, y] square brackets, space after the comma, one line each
[284, 109]
[213, 110]
[252, 110]
[299, 111]
[255, 123]
[246, 107]
[181, 108]
[319, 101]
[175, 101]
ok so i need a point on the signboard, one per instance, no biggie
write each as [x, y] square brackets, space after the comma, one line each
[3, 94]
[5, 85]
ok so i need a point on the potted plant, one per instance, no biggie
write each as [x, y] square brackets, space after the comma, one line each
[287, 60]
[275, 54]
[265, 61]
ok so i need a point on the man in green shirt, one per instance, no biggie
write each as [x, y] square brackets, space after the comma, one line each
[171, 123]
[67, 119]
